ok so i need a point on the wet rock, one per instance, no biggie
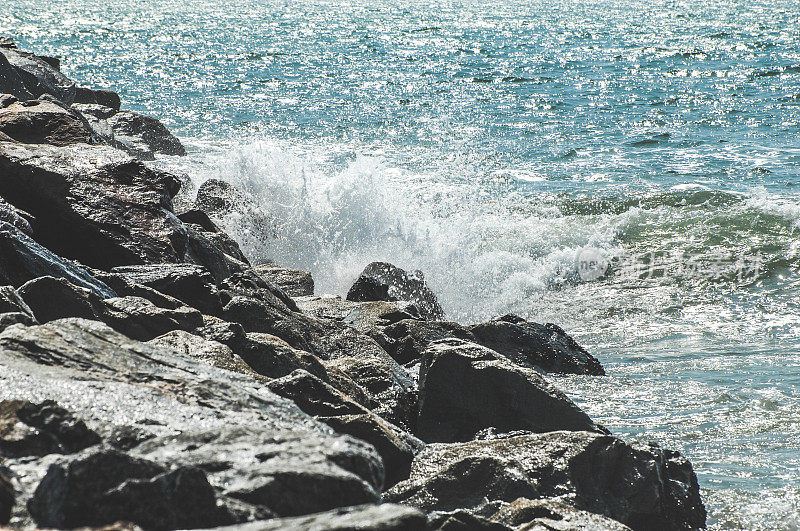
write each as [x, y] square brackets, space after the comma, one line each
[294, 282]
[11, 302]
[12, 318]
[217, 252]
[109, 486]
[11, 82]
[313, 396]
[94, 204]
[217, 197]
[42, 122]
[262, 455]
[104, 97]
[38, 76]
[30, 429]
[553, 515]
[15, 217]
[22, 259]
[92, 110]
[249, 284]
[144, 134]
[51, 298]
[189, 283]
[642, 486]
[542, 347]
[381, 281]
[7, 498]
[464, 388]
[211, 352]
[124, 287]
[195, 216]
[384, 517]
[408, 338]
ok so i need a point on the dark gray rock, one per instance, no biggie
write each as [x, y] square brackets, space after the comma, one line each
[42, 122]
[381, 281]
[313, 396]
[408, 338]
[217, 252]
[108, 486]
[22, 259]
[294, 282]
[38, 76]
[642, 486]
[189, 283]
[95, 111]
[12, 318]
[51, 298]
[211, 352]
[249, 284]
[7, 498]
[552, 515]
[262, 455]
[15, 217]
[11, 82]
[144, 134]
[384, 517]
[464, 388]
[29, 429]
[543, 347]
[217, 197]
[11, 302]
[195, 216]
[104, 97]
[94, 204]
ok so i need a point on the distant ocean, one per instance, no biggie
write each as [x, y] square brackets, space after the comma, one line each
[629, 170]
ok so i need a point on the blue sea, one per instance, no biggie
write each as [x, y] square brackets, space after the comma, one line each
[629, 170]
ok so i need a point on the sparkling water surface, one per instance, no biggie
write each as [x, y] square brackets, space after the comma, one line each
[488, 144]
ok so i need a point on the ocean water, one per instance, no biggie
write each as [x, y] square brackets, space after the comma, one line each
[512, 150]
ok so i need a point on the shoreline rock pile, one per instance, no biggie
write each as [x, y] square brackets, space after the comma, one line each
[151, 377]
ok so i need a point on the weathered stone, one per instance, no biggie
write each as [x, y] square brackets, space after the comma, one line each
[294, 282]
[465, 388]
[92, 110]
[209, 250]
[11, 82]
[144, 134]
[51, 298]
[104, 97]
[38, 76]
[7, 498]
[408, 339]
[553, 515]
[15, 217]
[381, 281]
[217, 197]
[22, 259]
[195, 216]
[42, 122]
[10, 301]
[12, 318]
[189, 283]
[108, 486]
[211, 352]
[94, 204]
[313, 396]
[28, 429]
[542, 347]
[642, 486]
[262, 454]
[384, 517]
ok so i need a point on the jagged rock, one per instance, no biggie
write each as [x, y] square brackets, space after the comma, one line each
[38, 76]
[548, 514]
[42, 122]
[104, 97]
[11, 82]
[381, 281]
[28, 429]
[108, 486]
[366, 317]
[7, 498]
[408, 338]
[144, 134]
[543, 347]
[12, 318]
[51, 298]
[124, 287]
[315, 397]
[215, 251]
[92, 110]
[195, 216]
[189, 283]
[249, 284]
[464, 388]
[294, 282]
[383, 517]
[94, 204]
[217, 197]
[22, 259]
[262, 455]
[642, 486]
[11, 302]
[211, 352]
[6, 100]
[15, 217]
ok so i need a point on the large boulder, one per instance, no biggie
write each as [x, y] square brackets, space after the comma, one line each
[94, 204]
[383, 517]
[93, 96]
[42, 122]
[38, 76]
[216, 251]
[552, 515]
[22, 259]
[11, 82]
[262, 455]
[144, 134]
[542, 347]
[642, 486]
[208, 351]
[465, 388]
[381, 281]
[408, 339]
[295, 282]
[108, 486]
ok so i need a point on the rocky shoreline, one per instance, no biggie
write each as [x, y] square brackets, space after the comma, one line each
[152, 377]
